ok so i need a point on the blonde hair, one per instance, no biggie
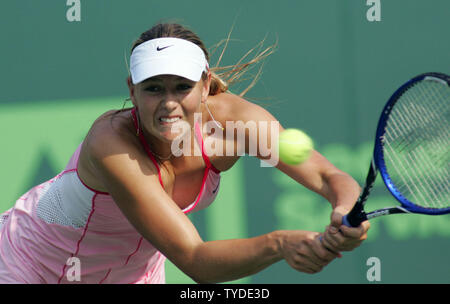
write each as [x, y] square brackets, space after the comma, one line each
[222, 78]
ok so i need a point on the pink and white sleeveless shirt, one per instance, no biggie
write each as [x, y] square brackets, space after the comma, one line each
[63, 218]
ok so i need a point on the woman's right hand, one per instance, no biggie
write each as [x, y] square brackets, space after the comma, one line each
[304, 252]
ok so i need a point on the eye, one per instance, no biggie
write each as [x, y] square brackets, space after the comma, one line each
[153, 88]
[184, 87]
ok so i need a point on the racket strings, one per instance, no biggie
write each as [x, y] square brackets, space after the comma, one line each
[441, 125]
[418, 190]
[412, 156]
[422, 184]
[436, 145]
[416, 144]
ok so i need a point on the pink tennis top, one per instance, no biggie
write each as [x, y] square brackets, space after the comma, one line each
[62, 231]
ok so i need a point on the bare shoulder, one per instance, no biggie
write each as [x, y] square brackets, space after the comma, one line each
[227, 105]
[108, 131]
[244, 119]
[231, 107]
[122, 167]
[111, 137]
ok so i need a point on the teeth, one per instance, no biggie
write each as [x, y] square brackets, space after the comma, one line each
[169, 119]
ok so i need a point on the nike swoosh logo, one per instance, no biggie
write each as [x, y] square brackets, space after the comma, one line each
[162, 48]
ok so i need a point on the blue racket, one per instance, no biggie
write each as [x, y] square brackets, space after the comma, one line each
[412, 150]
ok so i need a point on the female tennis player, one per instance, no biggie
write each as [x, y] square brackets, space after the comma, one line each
[119, 207]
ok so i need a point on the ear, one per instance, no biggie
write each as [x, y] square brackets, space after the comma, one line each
[206, 86]
[131, 88]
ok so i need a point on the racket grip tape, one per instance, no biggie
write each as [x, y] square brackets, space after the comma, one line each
[345, 221]
[355, 217]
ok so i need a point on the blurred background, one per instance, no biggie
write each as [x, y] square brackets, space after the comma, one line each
[331, 74]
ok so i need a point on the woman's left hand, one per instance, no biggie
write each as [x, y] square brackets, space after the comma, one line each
[338, 237]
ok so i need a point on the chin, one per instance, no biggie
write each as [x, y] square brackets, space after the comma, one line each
[171, 136]
[178, 129]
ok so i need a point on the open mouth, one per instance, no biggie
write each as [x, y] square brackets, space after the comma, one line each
[169, 119]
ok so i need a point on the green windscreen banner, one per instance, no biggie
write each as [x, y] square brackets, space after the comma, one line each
[336, 64]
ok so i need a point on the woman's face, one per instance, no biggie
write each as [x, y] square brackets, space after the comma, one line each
[167, 103]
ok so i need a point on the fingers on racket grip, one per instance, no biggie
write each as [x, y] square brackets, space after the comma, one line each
[345, 221]
[354, 220]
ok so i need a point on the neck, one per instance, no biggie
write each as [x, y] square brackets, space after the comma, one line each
[162, 149]
[171, 150]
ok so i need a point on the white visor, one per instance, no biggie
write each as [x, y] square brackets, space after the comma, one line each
[171, 56]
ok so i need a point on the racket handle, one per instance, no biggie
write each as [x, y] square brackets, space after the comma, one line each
[345, 221]
[355, 217]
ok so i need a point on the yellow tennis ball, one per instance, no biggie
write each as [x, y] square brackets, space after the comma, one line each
[294, 146]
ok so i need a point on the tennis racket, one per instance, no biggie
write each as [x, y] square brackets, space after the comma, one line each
[412, 150]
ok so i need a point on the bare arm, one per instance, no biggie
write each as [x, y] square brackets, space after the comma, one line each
[340, 189]
[318, 175]
[132, 180]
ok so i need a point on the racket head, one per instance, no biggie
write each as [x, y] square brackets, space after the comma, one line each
[380, 156]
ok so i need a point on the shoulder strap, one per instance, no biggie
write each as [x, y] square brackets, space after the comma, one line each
[199, 137]
[144, 143]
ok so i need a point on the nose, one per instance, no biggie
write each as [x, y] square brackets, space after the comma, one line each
[170, 101]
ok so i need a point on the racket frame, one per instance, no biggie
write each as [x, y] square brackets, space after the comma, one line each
[357, 215]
